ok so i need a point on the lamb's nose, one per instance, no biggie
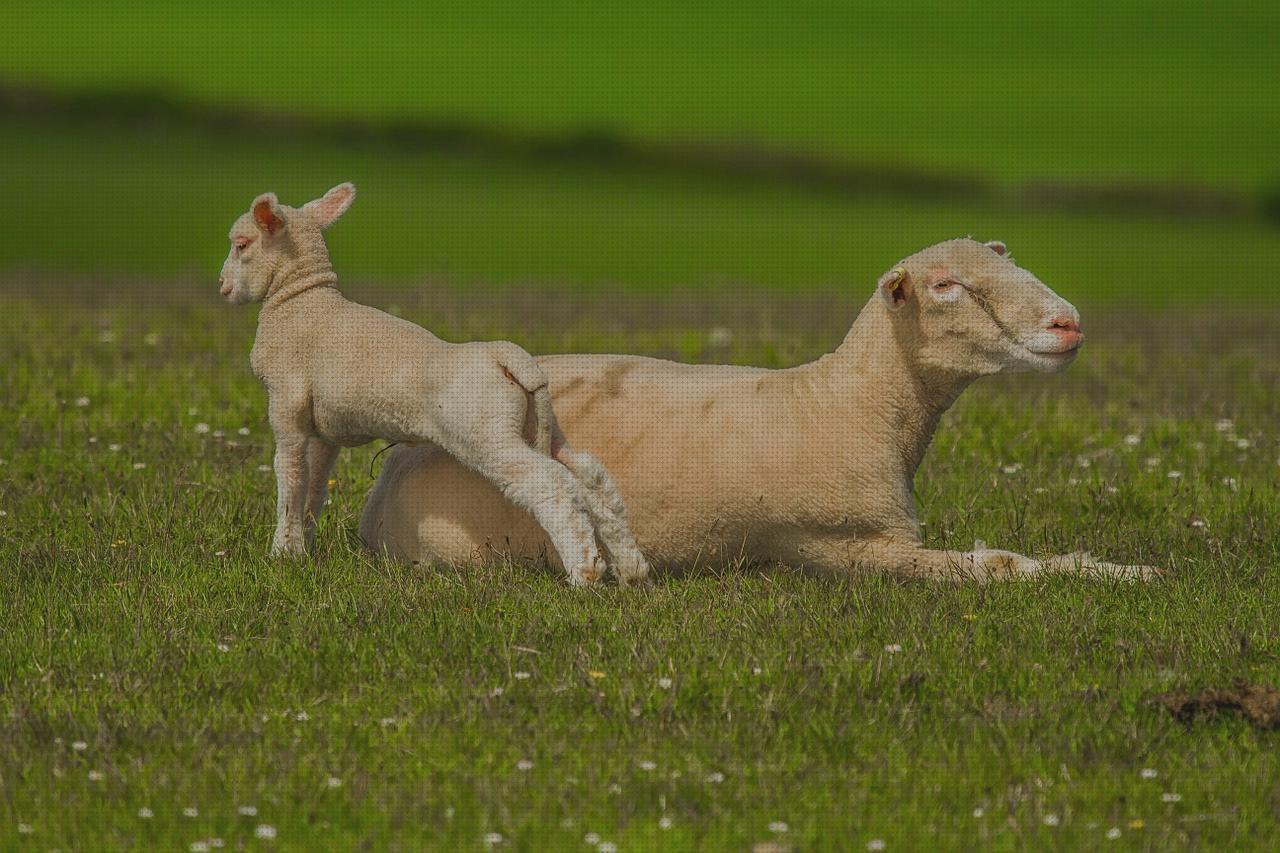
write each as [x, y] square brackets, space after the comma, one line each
[1067, 328]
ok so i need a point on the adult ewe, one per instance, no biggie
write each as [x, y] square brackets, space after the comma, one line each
[340, 374]
[809, 466]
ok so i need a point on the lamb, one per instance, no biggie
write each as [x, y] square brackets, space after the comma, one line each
[809, 466]
[340, 374]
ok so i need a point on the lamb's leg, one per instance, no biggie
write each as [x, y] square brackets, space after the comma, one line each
[608, 512]
[320, 458]
[291, 495]
[547, 490]
[985, 564]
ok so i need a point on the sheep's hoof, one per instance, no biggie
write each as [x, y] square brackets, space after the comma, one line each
[633, 571]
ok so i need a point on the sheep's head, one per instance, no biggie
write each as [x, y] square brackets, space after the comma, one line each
[272, 239]
[967, 308]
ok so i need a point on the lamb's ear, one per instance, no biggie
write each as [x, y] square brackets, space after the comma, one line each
[894, 287]
[998, 247]
[267, 214]
[332, 204]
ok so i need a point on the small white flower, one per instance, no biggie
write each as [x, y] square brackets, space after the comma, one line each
[387, 721]
[1224, 425]
[893, 648]
[1084, 462]
[1152, 461]
[248, 811]
[778, 826]
[264, 467]
[191, 811]
[1132, 439]
[664, 822]
[1040, 490]
[96, 776]
[3, 513]
[82, 401]
[93, 439]
[1173, 475]
[333, 782]
[265, 830]
[520, 676]
[217, 433]
[1148, 773]
[1010, 469]
[493, 838]
[1112, 490]
[243, 431]
[979, 811]
[607, 847]
[591, 838]
[151, 339]
[79, 746]
[219, 553]
[302, 716]
[1231, 483]
[524, 764]
[1243, 443]
[664, 683]
[146, 813]
[1113, 833]
[25, 829]
[755, 670]
[715, 778]
[496, 692]
[648, 765]
[875, 844]
[114, 448]
[192, 412]
[719, 336]
[1170, 797]
[1197, 522]
[199, 847]
[138, 466]
[1050, 820]
[1072, 481]
[216, 843]
[107, 337]
[202, 428]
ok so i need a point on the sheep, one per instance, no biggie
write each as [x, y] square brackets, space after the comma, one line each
[810, 466]
[340, 374]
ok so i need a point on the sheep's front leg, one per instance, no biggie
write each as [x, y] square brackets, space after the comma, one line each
[291, 495]
[982, 564]
[320, 458]
[607, 510]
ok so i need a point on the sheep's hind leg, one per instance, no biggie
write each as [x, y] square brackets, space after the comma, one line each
[608, 512]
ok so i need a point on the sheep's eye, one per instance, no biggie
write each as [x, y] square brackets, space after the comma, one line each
[944, 285]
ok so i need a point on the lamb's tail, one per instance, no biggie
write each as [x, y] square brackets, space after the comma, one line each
[526, 373]
[545, 419]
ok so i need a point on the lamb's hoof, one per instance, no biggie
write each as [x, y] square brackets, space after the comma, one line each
[633, 571]
[588, 573]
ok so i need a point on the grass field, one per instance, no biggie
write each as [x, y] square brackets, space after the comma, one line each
[162, 677]
[145, 203]
[1014, 89]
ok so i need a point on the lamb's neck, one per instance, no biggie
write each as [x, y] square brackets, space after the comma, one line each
[292, 280]
[879, 388]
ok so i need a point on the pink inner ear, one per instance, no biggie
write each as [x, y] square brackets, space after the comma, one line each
[266, 217]
[998, 247]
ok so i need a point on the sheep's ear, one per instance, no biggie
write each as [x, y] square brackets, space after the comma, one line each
[894, 288]
[998, 247]
[332, 204]
[267, 214]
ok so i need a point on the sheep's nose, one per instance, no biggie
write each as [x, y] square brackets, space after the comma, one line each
[1067, 328]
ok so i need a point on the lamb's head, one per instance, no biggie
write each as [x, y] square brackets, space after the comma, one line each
[272, 241]
[965, 307]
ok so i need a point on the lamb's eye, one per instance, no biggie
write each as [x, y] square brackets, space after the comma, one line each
[944, 285]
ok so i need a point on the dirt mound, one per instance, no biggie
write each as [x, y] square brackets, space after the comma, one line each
[1259, 703]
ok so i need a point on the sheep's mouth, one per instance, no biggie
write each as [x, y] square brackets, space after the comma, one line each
[1056, 353]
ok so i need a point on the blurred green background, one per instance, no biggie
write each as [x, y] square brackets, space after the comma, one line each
[1122, 150]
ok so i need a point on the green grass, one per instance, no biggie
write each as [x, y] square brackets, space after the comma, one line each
[1014, 89]
[142, 619]
[149, 202]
